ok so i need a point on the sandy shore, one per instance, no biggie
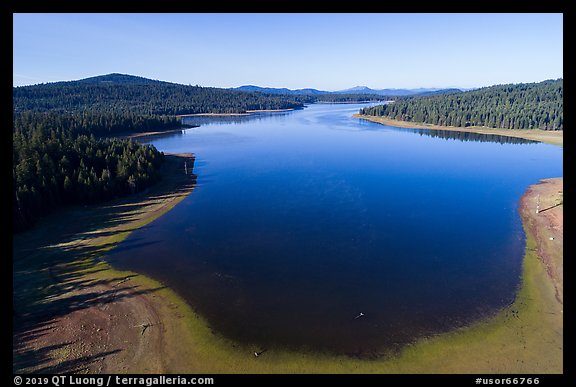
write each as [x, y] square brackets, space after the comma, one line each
[547, 227]
[547, 136]
[270, 110]
[247, 113]
[345, 102]
[74, 313]
[155, 133]
[213, 115]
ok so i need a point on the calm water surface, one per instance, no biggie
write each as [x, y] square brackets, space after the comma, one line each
[301, 221]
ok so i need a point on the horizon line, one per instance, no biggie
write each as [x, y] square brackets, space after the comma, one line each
[464, 88]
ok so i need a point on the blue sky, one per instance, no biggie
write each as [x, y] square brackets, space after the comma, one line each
[323, 51]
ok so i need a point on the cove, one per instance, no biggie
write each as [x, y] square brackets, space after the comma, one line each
[301, 221]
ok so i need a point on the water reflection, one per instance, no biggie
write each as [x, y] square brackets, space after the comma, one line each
[470, 136]
[231, 119]
[449, 134]
[304, 220]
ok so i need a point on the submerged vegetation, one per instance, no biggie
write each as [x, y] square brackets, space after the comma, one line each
[525, 337]
[58, 160]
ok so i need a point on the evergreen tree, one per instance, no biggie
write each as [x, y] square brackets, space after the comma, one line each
[521, 106]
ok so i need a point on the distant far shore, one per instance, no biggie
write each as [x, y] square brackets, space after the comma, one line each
[269, 110]
[246, 113]
[154, 133]
[555, 137]
[212, 114]
[348, 102]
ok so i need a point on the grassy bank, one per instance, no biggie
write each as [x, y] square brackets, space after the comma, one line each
[61, 285]
[547, 136]
[526, 337]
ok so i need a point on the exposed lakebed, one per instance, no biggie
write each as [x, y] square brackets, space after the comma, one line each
[302, 220]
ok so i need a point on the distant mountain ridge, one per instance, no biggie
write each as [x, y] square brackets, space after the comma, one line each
[273, 90]
[352, 90]
[124, 95]
[119, 79]
[125, 79]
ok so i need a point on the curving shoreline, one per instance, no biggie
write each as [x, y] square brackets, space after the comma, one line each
[246, 113]
[525, 337]
[547, 136]
[94, 318]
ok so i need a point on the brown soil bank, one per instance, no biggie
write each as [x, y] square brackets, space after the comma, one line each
[543, 213]
[73, 313]
[548, 136]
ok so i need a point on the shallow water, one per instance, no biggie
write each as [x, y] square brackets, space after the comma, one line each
[301, 221]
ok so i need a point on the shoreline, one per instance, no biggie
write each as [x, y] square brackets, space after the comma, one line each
[349, 102]
[131, 135]
[146, 134]
[549, 137]
[212, 114]
[270, 110]
[246, 113]
[525, 337]
[91, 314]
[542, 210]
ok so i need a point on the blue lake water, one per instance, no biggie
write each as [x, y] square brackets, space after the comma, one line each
[301, 221]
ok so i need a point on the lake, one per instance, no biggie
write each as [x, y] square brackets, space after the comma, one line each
[312, 230]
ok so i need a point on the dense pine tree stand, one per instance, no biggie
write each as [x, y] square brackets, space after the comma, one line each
[54, 166]
[518, 106]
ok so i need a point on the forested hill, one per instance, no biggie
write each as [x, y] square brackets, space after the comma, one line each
[57, 160]
[120, 93]
[119, 79]
[513, 106]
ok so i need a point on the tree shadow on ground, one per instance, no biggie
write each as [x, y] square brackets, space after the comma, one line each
[54, 268]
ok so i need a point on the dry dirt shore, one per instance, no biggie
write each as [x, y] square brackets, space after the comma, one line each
[547, 227]
[247, 113]
[72, 312]
[75, 314]
[547, 136]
